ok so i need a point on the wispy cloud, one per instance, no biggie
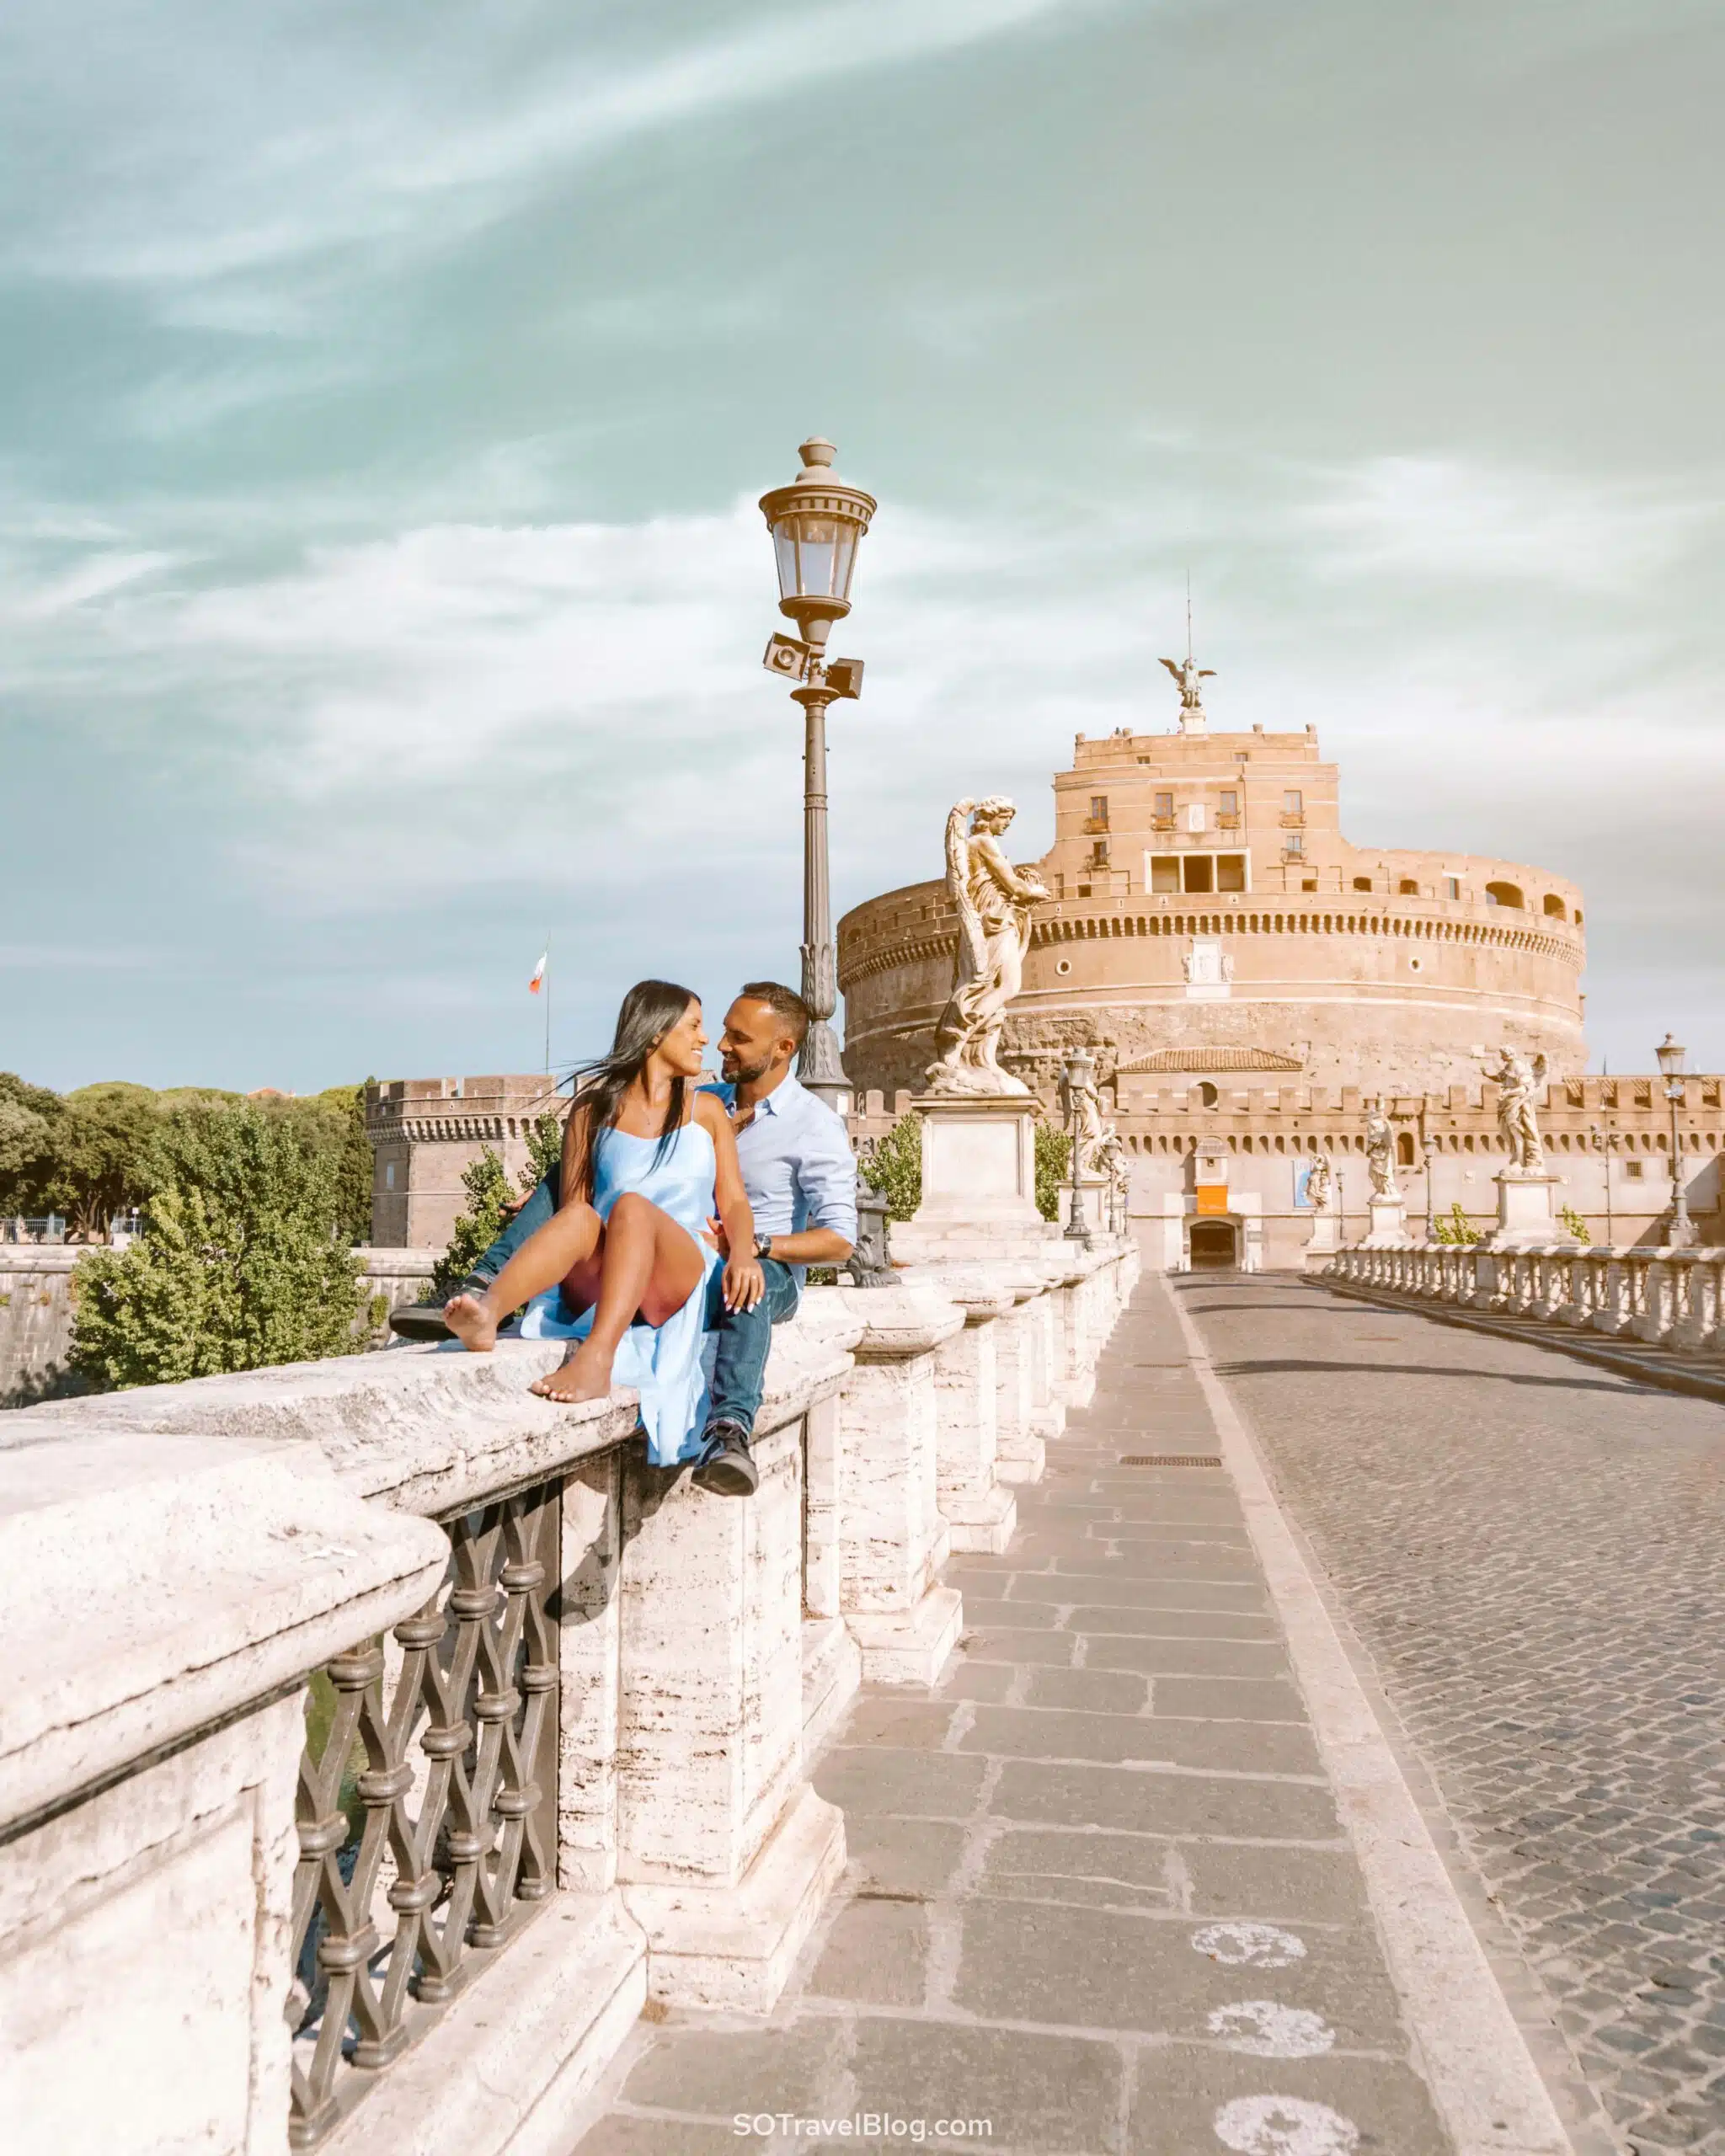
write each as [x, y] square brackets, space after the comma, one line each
[254, 154]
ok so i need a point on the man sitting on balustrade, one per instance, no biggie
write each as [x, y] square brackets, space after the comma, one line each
[800, 1177]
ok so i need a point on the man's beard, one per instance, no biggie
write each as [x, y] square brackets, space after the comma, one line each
[739, 1074]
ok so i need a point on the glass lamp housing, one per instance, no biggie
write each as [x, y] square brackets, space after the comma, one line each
[816, 523]
[1671, 1057]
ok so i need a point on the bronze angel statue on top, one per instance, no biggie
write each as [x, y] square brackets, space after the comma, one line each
[995, 903]
[1188, 677]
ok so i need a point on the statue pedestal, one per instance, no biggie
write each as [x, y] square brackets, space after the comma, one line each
[1326, 1239]
[1389, 1226]
[979, 1181]
[1092, 1205]
[1525, 1220]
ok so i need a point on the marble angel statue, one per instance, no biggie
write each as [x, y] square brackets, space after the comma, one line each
[994, 904]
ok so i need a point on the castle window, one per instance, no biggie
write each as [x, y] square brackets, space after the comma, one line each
[1164, 804]
[1099, 808]
[1555, 910]
[1198, 873]
[1504, 894]
[1230, 801]
[1294, 842]
[1208, 1095]
[1362, 882]
[1292, 801]
[1099, 853]
[1404, 1149]
[1408, 888]
[1634, 1170]
[1310, 885]
[1165, 872]
[1452, 887]
[389, 1175]
[1230, 872]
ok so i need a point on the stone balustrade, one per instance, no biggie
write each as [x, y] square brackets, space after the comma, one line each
[1668, 1297]
[381, 1739]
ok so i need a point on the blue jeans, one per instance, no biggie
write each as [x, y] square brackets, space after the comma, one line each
[744, 1336]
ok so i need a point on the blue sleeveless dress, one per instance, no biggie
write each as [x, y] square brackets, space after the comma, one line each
[664, 1363]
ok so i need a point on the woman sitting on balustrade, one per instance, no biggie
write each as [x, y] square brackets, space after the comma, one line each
[620, 1271]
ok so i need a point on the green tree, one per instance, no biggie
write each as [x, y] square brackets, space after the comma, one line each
[106, 1155]
[893, 1165]
[1457, 1230]
[1054, 1153]
[28, 1116]
[1573, 1225]
[544, 1151]
[490, 1201]
[241, 1263]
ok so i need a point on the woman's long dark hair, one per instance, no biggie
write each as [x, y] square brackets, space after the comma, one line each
[649, 1011]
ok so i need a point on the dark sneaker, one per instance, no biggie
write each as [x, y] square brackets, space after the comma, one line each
[726, 1468]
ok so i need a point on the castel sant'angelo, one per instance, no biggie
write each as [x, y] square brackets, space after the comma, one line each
[1254, 984]
[1206, 917]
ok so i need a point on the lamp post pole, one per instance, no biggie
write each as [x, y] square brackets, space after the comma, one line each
[1602, 1146]
[1080, 1064]
[1428, 1147]
[816, 523]
[1682, 1232]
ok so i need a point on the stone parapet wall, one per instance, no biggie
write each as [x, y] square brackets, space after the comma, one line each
[384, 1657]
[1661, 1297]
[37, 1309]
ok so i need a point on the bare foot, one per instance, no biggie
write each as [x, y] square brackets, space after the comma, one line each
[471, 1323]
[584, 1374]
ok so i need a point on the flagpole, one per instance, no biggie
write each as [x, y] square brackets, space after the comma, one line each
[548, 1002]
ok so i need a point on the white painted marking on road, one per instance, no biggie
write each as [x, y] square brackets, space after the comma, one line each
[1285, 2125]
[1249, 1946]
[1263, 2028]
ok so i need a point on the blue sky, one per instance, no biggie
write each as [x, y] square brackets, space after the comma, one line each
[385, 392]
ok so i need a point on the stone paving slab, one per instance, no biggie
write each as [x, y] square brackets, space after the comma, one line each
[1099, 1894]
[1532, 1551]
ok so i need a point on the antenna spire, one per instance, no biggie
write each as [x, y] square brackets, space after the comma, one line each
[1189, 617]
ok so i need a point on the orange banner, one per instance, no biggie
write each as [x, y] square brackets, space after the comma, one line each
[1212, 1198]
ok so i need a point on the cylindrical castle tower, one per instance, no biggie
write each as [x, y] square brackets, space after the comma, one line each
[1208, 915]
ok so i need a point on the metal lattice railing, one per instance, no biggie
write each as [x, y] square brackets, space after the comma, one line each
[427, 1806]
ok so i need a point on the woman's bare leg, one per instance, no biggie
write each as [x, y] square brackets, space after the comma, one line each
[652, 1266]
[546, 1258]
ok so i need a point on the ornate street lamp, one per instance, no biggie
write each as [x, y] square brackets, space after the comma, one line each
[816, 523]
[1427, 1146]
[1682, 1234]
[1080, 1067]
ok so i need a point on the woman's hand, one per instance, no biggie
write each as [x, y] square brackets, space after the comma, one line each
[715, 1237]
[744, 1284]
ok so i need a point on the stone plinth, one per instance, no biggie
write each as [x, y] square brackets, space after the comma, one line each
[1526, 1219]
[1325, 1238]
[979, 1181]
[1389, 1226]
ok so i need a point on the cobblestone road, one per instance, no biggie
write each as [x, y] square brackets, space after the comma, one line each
[1533, 1551]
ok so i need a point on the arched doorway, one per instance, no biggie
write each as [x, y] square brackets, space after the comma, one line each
[1215, 1247]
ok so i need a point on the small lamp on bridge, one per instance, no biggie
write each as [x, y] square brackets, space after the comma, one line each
[1681, 1234]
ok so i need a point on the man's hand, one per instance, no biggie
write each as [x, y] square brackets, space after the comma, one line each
[716, 1237]
[744, 1284]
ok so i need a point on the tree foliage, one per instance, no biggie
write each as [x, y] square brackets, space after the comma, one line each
[893, 1165]
[1573, 1225]
[1054, 1155]
[491, 1202]
[1457, 1229]
[242, 1262]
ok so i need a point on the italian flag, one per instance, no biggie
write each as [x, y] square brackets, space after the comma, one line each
[538, 980]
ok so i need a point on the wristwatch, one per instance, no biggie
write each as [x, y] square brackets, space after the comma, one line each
[763, 1245]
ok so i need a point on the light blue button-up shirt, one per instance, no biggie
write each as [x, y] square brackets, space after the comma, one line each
[798, 1170]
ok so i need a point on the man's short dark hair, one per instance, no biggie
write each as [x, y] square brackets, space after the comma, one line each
[785, 1005]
